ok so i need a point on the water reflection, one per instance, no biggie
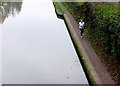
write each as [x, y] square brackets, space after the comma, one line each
[9, 8]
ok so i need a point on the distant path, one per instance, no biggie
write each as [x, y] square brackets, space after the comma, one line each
[97, 68]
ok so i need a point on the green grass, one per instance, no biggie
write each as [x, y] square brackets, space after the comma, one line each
[72, 10]
[57, 7]
[107, 9]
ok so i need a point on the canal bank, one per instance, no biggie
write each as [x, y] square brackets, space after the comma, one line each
[94, 69]
[62, 15]
[37, 48]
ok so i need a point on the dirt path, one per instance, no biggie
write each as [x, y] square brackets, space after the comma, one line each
[97, 68]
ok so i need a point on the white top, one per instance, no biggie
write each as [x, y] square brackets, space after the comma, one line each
[81, 24]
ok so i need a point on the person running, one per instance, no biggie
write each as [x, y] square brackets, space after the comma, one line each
[81, 27]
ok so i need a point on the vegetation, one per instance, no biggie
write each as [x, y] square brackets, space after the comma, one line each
[57, 7]
[103, 30]
[74, 8]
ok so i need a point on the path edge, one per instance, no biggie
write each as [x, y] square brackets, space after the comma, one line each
[91, 79]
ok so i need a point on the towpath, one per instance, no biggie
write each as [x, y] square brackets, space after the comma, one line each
[97, 68]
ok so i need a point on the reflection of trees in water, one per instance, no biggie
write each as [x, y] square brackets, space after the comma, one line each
[9, 8]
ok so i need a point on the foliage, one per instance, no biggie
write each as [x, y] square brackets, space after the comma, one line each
[74, 8]
[57, 7]
[102, 28]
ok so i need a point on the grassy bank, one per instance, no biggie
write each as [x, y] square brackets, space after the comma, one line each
[57, 8]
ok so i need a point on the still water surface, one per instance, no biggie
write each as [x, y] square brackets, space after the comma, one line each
[0, 55]
[37, 48]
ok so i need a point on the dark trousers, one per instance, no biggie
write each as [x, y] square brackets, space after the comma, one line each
[81, 31]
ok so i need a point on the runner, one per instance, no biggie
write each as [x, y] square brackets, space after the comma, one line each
[81, 26]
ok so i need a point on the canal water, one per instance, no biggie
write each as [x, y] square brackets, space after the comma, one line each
[0, 55]
[36, 47]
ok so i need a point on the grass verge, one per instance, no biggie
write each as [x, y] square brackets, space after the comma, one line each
[57, 8]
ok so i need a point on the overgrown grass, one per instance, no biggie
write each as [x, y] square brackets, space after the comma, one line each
[107, 9]
[72, 10]
[57, 7]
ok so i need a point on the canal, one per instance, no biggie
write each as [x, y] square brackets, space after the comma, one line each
[36, 46]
